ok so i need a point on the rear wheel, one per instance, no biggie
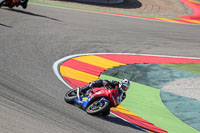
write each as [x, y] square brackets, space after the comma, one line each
[97, 107]
[70, 95]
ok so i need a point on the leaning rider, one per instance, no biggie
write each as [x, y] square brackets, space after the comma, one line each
[123, 86]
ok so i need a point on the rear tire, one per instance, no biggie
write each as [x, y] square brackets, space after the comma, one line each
[70, 95]
[92, 109]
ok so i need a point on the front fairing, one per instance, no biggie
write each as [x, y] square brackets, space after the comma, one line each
[114, 97]
[95, 93]
[99, 92]
[110, 94]
[83, 101]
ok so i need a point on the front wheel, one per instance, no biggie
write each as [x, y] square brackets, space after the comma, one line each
[98, 107]
[70, 95]
[23, 3]
[106, 112]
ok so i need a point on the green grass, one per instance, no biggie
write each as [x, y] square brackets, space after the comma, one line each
[187, 67]
[145, 102]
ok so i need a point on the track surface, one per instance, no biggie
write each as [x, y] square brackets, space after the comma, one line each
[31, 96]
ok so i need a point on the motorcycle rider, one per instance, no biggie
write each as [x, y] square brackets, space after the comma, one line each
[122, 86]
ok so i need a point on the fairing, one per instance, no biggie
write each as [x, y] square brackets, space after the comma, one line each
[110, 95]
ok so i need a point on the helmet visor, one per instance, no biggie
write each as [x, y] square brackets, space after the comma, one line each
[125, 88]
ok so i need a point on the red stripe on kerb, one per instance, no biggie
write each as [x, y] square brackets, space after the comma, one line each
[196, 10]
[141, 59]
[124, 15]
[74, 83]
[139, 122]
[185, 21]
[125, 59]
[84, 67]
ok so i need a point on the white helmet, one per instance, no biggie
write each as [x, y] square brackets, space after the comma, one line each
[124, 84]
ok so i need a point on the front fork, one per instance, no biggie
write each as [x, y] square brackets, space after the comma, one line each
[101, 101]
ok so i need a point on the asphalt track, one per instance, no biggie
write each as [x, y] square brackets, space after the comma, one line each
[31, 96]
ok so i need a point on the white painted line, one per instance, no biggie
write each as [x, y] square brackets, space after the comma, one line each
[56, 69]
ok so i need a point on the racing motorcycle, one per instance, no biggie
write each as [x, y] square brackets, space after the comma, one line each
[12, 3]
[96, 101]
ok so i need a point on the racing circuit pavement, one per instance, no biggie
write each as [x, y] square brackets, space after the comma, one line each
[31, 96]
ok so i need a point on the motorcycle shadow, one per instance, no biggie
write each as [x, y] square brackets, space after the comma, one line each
[4, 25]
[31, 14]
[119, 121]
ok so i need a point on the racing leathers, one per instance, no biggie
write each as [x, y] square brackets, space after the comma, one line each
[108, 84]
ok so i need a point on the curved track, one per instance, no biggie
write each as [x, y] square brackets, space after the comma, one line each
[31, 96]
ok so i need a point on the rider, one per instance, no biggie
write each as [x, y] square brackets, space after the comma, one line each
[123, 86]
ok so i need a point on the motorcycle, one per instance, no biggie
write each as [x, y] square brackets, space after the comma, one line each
[96, 101]
[12, 3]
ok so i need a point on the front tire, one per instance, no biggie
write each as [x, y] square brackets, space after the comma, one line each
[70, 95]
[106, 112]
[96, 108]
[24, 3]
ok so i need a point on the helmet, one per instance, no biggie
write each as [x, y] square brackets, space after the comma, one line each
[124, 84]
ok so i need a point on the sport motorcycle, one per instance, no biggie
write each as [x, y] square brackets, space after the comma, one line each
[96, 101]
[14, 3]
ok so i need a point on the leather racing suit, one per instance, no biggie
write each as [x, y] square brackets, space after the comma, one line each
[109, 85]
